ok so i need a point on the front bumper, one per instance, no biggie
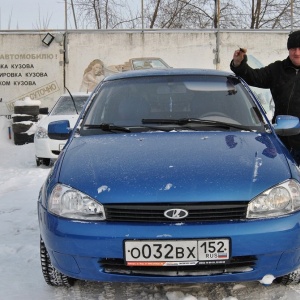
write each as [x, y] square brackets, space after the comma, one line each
[78, 249]
[47, 148]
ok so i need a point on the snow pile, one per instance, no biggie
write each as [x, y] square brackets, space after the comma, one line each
[268, 279]
[32, 129]
[27, 102]
[180, 295]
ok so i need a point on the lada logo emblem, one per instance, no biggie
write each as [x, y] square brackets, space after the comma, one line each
[176, 213]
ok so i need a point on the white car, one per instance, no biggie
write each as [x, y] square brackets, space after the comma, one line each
[47, 150]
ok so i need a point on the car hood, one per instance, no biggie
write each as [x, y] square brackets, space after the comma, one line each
[173, 166]
[48, 119]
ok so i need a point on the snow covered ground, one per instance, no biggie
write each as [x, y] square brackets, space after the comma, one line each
[20, 273]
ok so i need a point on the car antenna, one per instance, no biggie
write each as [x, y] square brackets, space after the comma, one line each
[72, 100]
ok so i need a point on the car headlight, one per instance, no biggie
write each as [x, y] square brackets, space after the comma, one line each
[280, 200]
[41, 133]
[69, 203]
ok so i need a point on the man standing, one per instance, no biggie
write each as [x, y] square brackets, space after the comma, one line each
[283, 80]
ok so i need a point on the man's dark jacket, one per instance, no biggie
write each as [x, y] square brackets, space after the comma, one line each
[283, 80]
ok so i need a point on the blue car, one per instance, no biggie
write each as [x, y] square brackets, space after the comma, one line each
[171, 176]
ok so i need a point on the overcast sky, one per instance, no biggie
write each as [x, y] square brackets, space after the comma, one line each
[37, 14]
[32, 14]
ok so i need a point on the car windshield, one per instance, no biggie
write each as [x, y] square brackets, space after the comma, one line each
[180, 102]
[65, 105]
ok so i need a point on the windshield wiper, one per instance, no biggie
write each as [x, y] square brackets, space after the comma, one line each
[107, 127]
[184, 121]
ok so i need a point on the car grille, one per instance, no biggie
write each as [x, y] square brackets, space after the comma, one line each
[199, 212]
[239, 264]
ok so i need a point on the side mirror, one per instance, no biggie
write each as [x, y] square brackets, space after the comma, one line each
[287, 125]
[59, 130]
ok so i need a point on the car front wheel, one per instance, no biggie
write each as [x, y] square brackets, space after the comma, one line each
[39, 161]
[47, 161]
[43, 161]
[291, 278]
[51, 275]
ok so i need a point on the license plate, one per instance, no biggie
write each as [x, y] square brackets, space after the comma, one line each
[176, 252]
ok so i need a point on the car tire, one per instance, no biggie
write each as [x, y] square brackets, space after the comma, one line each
[21, 118]
[23, 138]
[39, 161]
[33, 110]
[291, 278]
[43, 161]
[51, 275]
[20, 127]
[46, 161]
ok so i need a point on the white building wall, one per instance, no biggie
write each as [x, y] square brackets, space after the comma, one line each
[28, 68]
[266, 46]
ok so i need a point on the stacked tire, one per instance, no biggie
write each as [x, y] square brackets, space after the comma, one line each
[26, 114]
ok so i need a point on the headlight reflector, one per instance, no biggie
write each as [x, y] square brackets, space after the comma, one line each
[41, 133]
[277, 201]
[69, 203]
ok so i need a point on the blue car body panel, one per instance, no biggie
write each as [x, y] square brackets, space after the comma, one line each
[76, 247]
[126, 163]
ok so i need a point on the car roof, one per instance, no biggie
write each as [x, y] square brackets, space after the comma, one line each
[167, 72]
